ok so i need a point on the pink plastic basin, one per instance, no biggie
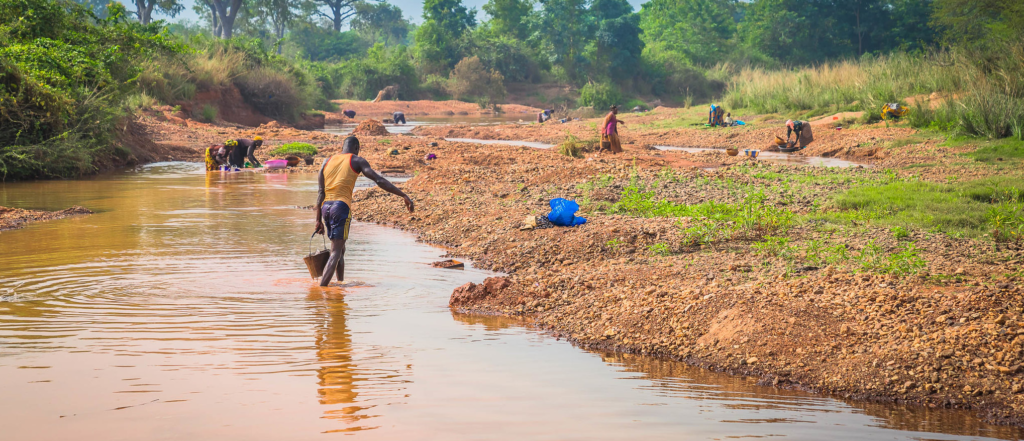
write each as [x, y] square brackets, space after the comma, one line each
[277, 163]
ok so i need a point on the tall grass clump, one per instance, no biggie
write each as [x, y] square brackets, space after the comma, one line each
[275, 86]
[948, 90]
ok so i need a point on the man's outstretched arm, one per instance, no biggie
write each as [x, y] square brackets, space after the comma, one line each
[321, 194]
[366, 170]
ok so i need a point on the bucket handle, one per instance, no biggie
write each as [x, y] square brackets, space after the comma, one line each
[311, 242]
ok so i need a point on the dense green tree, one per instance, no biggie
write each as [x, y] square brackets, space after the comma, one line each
[506, 54]
[564, 28]
[795, 31]
[699, 30]
[320, 44]
[617, 45]
[381, 67]
[380, 22]
[910, 28]
[439, 40]
[509, 17]
[451, 16]
[977, 22]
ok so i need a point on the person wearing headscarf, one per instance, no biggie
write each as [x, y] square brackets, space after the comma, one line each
[243, 149]
[610, 131]
[802, 130]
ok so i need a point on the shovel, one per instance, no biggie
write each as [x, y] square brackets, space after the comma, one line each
[315, 262]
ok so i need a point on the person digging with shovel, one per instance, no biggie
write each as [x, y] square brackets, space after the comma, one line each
[334, 201]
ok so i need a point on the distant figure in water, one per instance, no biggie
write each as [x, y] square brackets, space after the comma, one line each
[334, 201]
[398, 117]
[216, 156]
[610, 131]
[242, 149]
[545, 115]
[349, 113]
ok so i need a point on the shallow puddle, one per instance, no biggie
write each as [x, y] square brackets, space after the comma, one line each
[182, 310]
[413, 122]
[776, 157]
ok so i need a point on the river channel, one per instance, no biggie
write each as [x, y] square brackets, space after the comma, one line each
[181, 310]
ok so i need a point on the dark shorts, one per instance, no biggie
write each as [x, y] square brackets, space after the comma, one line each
[337, 218]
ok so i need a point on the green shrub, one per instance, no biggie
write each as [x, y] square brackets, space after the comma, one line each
[599, 95]
[208, 113]
[900, 233]
[295, 148]
[65, 81]
[660, 249]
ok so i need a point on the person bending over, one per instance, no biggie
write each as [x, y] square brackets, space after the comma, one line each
[334, 201]
[802, 131]
[398, 117]
[216, 156]
[242, 149]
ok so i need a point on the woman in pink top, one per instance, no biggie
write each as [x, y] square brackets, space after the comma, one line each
[610, 131]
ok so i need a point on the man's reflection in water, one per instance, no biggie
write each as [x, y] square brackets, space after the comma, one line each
[337, 373]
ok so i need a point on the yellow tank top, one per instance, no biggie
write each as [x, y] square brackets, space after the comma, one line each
[340, 179]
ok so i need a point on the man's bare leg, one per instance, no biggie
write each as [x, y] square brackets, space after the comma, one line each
[336, 263]
[341, 263]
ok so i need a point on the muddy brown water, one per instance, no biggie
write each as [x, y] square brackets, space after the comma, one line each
[181, 309]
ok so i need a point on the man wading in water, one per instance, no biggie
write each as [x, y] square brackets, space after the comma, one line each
[334, 201]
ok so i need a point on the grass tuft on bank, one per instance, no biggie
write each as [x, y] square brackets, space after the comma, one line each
[966, 209]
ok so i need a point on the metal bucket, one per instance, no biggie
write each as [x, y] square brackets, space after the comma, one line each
[315, 262]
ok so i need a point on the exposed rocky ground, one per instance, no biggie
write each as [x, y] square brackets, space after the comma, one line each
[12, 218]
[950, 335]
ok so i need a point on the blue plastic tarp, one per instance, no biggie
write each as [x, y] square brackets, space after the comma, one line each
[563, 213]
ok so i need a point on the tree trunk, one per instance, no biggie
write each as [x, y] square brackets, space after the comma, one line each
[227, 13]
[337, 16]
[144, 11]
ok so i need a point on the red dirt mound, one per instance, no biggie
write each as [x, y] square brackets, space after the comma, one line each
[370, 127]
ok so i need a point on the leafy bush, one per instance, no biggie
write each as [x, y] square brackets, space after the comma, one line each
[469, 79]
[65, 80]
[381, 67]
[900, 232]
[295, 148]
[272, 93]
[599, 95]
[208, 113]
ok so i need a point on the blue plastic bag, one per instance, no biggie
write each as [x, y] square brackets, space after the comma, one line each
[563, 213]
